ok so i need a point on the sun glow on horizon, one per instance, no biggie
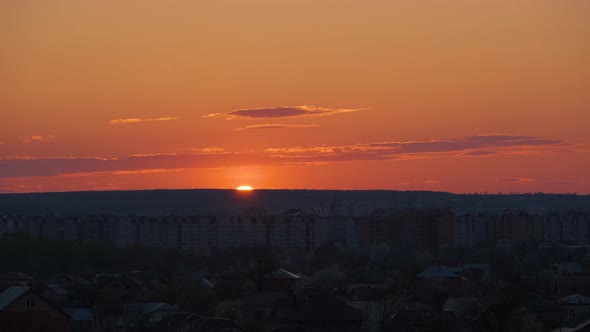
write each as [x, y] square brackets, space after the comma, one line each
[244, 188]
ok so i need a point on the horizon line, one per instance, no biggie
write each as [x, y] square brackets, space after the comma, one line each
[299, 189]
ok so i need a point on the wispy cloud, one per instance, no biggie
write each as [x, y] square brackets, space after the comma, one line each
[137, 120]
[72, 166]
[216, 157]
[282, 112]
[516, 180]
[393, 150]
[479, 153]
[36, 138]
[149, 171]
[276, 126]
[209, 150]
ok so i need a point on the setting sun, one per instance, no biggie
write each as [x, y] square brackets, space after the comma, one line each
[244, 188]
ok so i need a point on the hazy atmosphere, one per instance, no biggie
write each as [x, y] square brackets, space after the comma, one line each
[460, 96]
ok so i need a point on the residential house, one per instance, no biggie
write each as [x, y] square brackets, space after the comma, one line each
[283, 281]
[438, 277]
[24, 310]
[81, 319]
[574, 305]
[55, 293]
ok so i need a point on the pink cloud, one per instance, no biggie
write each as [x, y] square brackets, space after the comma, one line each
[137, 120]
[36, 138]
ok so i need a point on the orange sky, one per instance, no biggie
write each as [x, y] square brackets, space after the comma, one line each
[461, 96]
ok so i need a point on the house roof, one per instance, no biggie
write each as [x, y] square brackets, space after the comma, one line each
[578, 322]
[77, 280]
[575, 299]
[480, 266]
[438, 271]
[15, 276]
[11, 294]
[207, 283]
[80, 314]
[58, 290]
[183, 317]
[571, 267]
[282, 274]
[149, 307]
[318, 309]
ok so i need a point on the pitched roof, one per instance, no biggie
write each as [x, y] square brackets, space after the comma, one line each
[11, 294]
[15, 276]
[577, 323]
[575, 299]
[318, 309]
[80, 314]
[282, 274]
[207, 283]
[571, 267]
[437, 271]
[149, 307]
[480, 266]
[58, 290]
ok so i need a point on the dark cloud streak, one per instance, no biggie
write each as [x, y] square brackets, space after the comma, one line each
[217, 157]
[282, 112]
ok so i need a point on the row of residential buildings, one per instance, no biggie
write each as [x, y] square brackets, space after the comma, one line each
[567, 228]
[428, 230]
[287, 231]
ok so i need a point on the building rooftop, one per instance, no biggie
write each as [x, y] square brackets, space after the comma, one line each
[570, 267]
[575, 299]
[11, 294]
[80, 314]
[58, 290]
[282, 274]
[149, 307]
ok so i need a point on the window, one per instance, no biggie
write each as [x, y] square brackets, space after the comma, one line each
[29, 303]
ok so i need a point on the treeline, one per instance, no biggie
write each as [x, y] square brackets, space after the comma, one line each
[44, 257]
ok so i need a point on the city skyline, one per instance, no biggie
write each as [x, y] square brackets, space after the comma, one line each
[398, 95]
